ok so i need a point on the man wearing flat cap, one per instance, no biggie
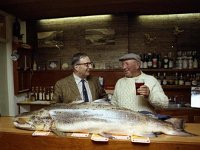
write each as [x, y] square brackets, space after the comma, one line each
[150, 95]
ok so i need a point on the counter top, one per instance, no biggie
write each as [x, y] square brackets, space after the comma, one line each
[13, 138]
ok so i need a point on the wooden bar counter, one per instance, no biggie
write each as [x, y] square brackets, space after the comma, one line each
[16, 139]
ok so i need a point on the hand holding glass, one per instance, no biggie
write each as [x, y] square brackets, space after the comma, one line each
[138, 83]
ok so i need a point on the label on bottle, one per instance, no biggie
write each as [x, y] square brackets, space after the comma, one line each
[164, 82]
[181, 82]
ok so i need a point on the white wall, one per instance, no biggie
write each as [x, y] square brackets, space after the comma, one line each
[8, 100]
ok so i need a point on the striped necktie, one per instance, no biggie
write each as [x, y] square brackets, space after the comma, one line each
[85, 95]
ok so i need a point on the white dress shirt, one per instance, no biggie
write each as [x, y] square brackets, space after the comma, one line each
[79, 85]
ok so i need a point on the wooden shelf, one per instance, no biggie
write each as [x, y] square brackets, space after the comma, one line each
[120, 70]
[171, 87]
[171, 70]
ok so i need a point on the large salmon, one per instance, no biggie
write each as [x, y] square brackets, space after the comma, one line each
[95, 118]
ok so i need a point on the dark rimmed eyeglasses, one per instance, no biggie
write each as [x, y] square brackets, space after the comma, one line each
[86, 64]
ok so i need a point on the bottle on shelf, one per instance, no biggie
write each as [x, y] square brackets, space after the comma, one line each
[159, 78]
[44, 94]
[164, 80]
[176, 81]
[32, 94]
[185, 62]
[194, 81]
[149, 62]
[195, 62]
[34, 65]
[40, 94]
[171, 61]
[145, 60]
[142, 60]
[187, 80]
[154, 61]
[181, 80]
[165, 62]
[51, 92]
[47, 94]
[159, 61]
[36, 93]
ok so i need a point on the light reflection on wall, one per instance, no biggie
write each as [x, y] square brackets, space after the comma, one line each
[167, 17]
[73, 20]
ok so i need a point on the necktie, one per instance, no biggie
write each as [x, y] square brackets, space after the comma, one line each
[85, 95]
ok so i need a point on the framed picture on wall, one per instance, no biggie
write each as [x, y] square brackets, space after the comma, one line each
[50, 39]
[53, 65]
[104, 36]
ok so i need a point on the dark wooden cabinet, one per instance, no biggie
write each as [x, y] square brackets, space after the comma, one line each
[110, 76]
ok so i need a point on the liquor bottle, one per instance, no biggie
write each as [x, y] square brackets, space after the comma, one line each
[32, 94]
[44, 94]
[145, 61]
[40, 94]
[195, 62]
[187, 80]
[34, 65]
[142, 60]
[194, 81]
[36, 93]
[171, 62]
[165, 62]
[181, 81]
[51, 93]
[149, 62]
[154, 61]
[159, 78]
[164, 81]
[176, 81]
[47, 94]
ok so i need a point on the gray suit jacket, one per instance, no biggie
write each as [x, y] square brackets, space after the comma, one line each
[66, 90]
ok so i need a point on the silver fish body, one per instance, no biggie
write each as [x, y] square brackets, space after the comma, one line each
[95, 118]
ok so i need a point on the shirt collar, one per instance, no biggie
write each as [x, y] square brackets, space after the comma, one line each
[78, 79]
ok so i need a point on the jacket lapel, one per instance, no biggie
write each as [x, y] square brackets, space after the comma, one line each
[92, 88]
[73, 86]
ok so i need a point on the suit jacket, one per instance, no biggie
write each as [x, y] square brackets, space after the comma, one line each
[66, 90]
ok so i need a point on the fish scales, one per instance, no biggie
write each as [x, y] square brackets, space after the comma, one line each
[95, 118]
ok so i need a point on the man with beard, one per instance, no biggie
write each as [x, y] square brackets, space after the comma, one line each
[79, 85]
[150, 95]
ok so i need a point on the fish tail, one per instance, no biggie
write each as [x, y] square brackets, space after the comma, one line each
[177, 123]
[183, 133]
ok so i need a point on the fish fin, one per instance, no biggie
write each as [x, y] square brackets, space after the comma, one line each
[59, 133]
[106, 135]
[176, 122]
[150, 134]
[145, 134]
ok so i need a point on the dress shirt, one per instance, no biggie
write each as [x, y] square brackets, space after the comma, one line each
[80, 88]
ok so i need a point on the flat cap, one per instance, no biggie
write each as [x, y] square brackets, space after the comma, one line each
[130, 56]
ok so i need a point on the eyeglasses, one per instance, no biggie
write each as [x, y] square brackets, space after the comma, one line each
[86, 64]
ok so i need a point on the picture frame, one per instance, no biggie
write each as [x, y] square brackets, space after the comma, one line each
[102, 36]
[50, 39]
[53, 65]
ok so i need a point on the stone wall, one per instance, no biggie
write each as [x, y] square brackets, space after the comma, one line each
[140, 34]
